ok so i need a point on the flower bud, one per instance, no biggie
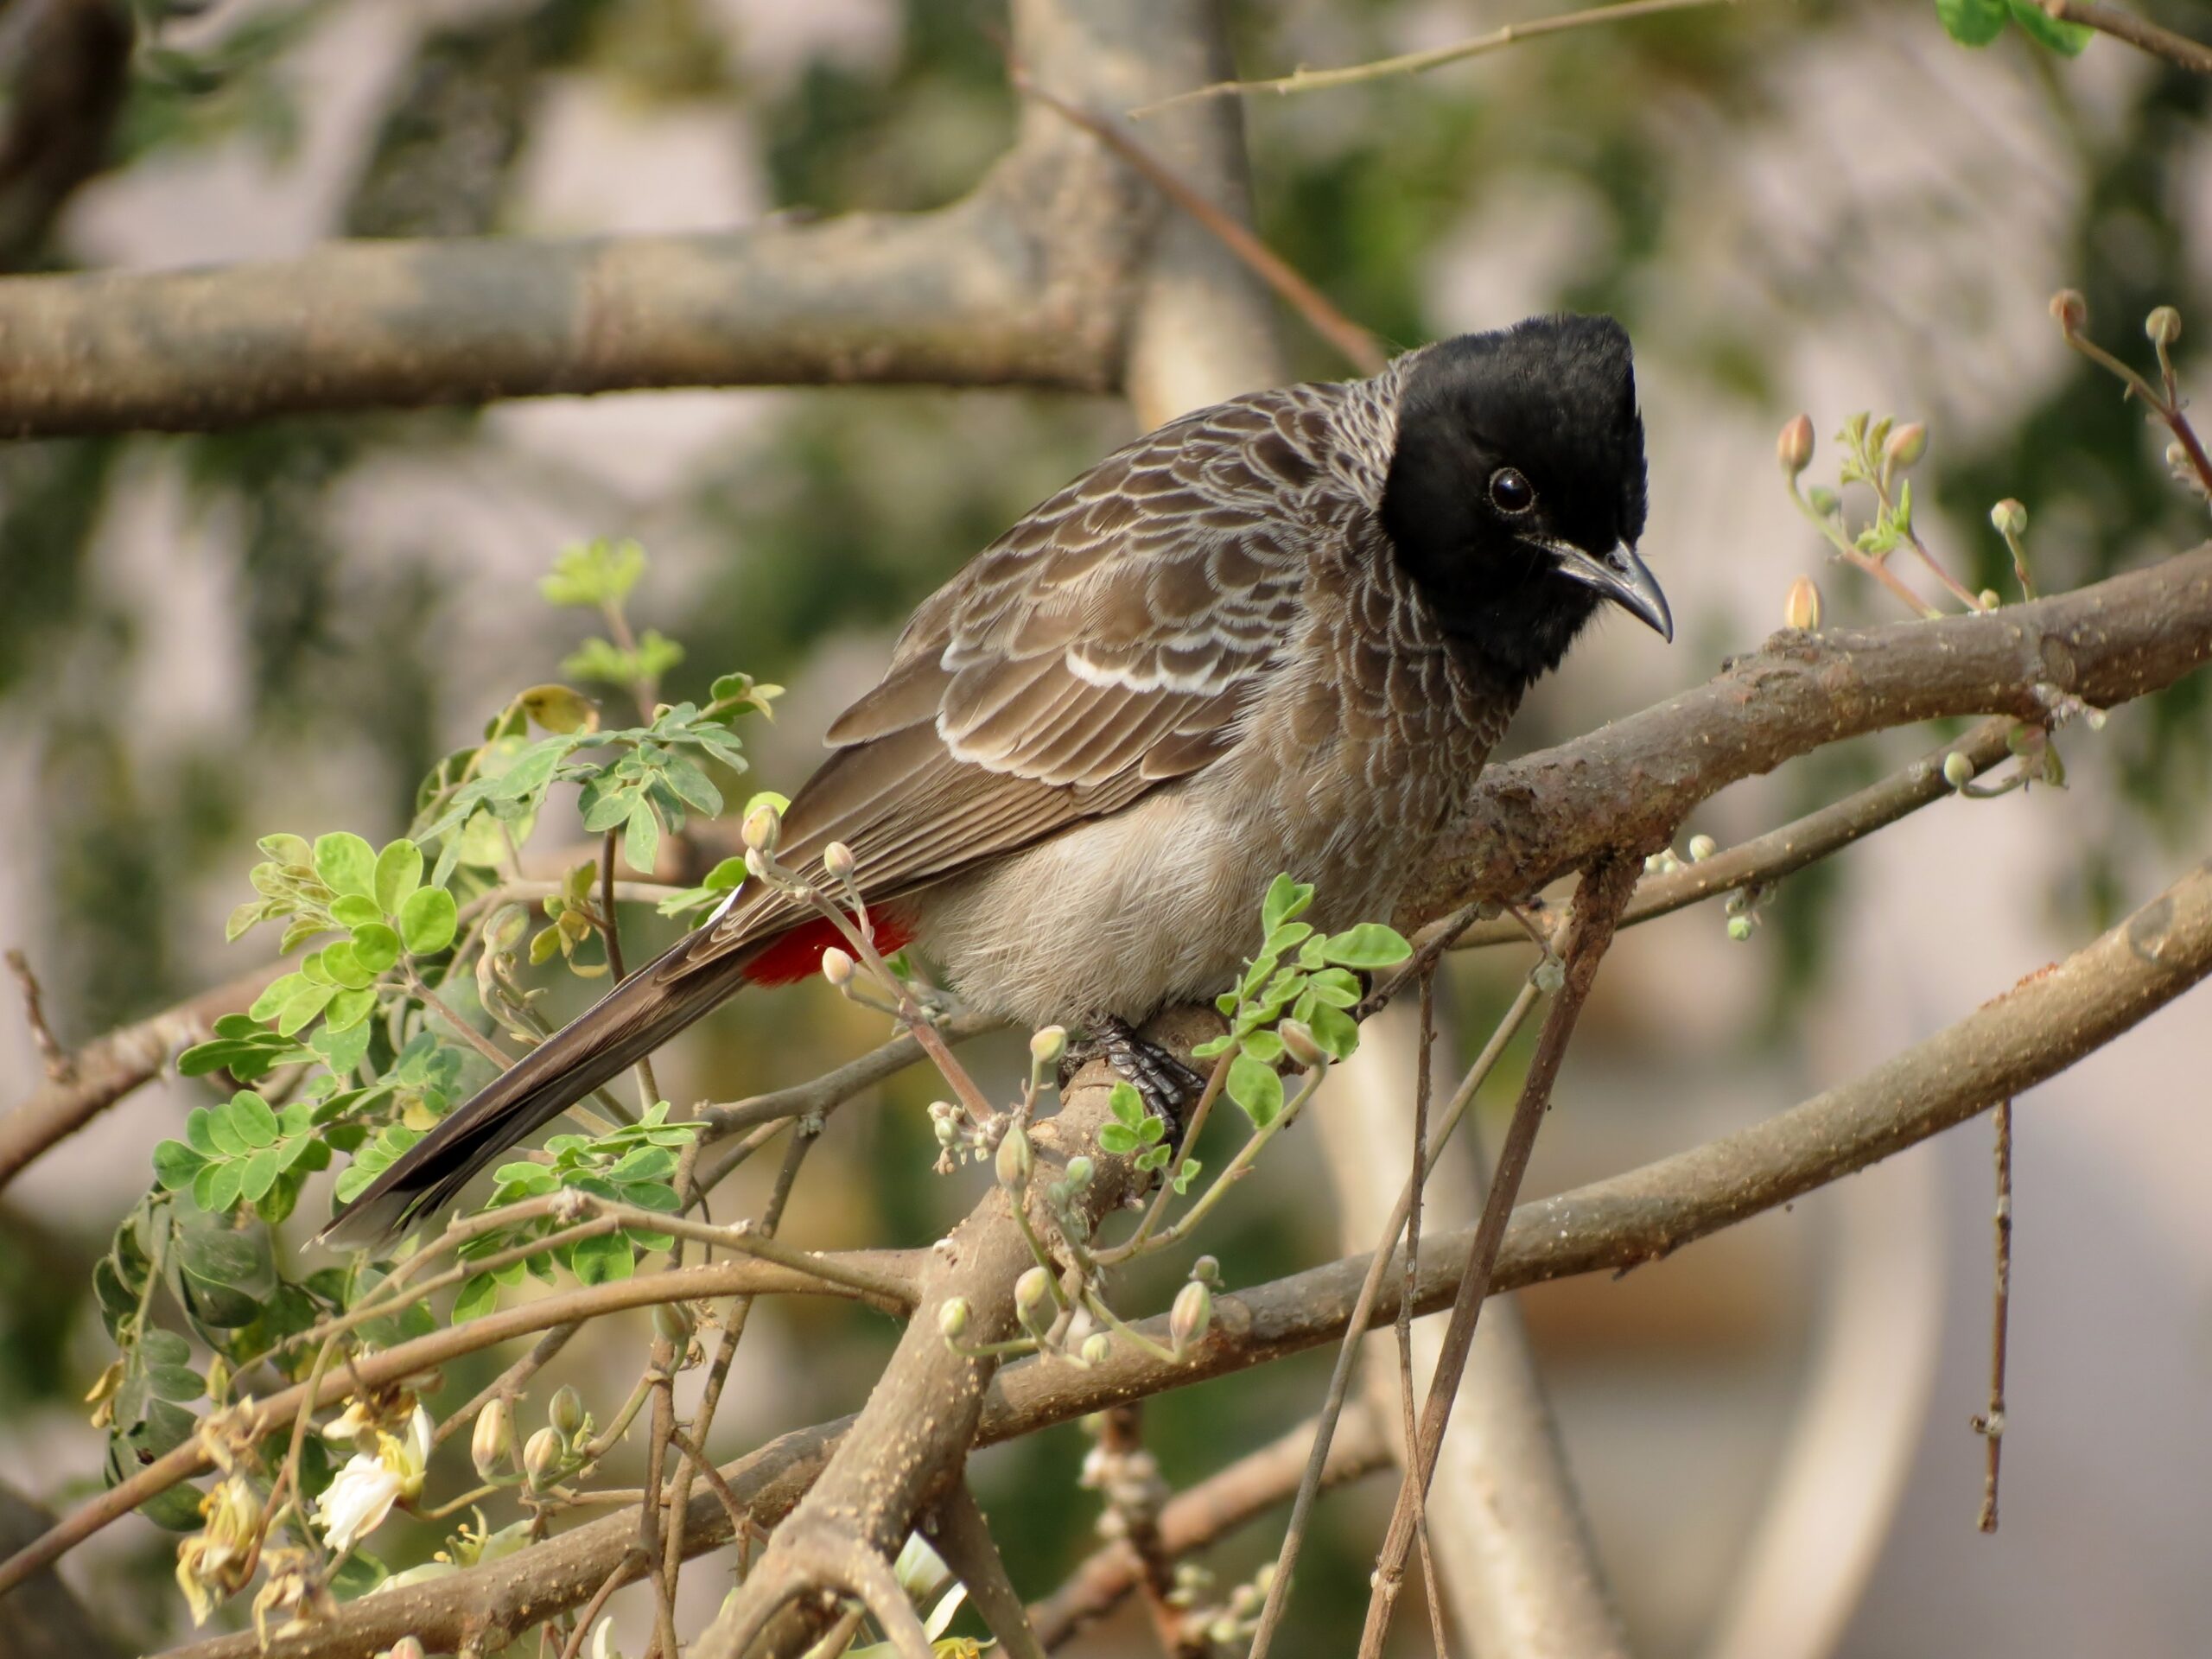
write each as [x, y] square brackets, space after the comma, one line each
[1702, 848]
[1031, 1291]
[1906, 446]
[1794, 448]
[566, 1411]
[2009, 519]
[1192, 1314]
[1206, 1270]
[487, 1442]
[1991, 598]
[1014, 1161]
[541, 1456]
[2069, 310]
[763, 829]
[1098, 1348]
[1549, 976]
[1800, 607]
[1299, 1042]
[838, 859]
[1739, 928]
[673, 1323]
[837, 967]
[1080, 1170]
[2163, 326]
[407, 1647]
[756, 864]
[952, 1316]
[1958, 771]
[1047, 1046]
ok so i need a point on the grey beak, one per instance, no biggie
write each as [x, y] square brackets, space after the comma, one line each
[1620, 577]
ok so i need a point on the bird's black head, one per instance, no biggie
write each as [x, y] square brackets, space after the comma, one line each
[1516, 492]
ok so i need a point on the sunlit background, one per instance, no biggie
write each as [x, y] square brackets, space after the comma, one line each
[1829, 207]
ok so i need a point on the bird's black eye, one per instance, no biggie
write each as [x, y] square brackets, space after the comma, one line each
[1511, 494]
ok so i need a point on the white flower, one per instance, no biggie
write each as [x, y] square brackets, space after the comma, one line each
[355, 1504]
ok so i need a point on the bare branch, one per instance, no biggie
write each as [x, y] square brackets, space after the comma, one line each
[106, 1070]
[1435, 57]
[2138, 32]
[1630, 783]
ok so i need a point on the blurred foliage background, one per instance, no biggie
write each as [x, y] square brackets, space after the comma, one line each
[204, 639]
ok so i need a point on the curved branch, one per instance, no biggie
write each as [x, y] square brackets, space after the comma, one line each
[1629, 786]
[2042, 1025]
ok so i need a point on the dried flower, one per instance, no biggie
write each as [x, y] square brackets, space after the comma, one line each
[218, 1559]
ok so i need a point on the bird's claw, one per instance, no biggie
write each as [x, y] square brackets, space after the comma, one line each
[1167, 1087]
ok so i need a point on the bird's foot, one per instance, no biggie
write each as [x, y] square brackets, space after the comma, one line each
[1168, 1087]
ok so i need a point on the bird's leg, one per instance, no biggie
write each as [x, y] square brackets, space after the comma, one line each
[1167, 1086]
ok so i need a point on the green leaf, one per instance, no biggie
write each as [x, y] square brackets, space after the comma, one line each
[261, 1172]
[349, 1010]
[177, 1382]
[1126, 1103]
[1285, 900]
[1263, 1046]
[398, 873]
[1187, 1172]
[1117, 1138]
[354, 910]
[428, 919]
[479, 1296]
[344, 965]
[1972, 22]
[280, 991]
[1369, 945]
[345, 863]
[341, 1050]
[249, 1117]
[593, 573]
[376, 946]
[558, 709]
[641, 838]
[1335, 1030]
[1217, 1047]
[1254, 1086]
[175, 1164]
[301, 1008]
[1334, 987]
[289, 850]
[2067, 39]
[603, 1260]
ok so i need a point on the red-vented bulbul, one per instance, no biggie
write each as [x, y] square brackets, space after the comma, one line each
[1279, 634]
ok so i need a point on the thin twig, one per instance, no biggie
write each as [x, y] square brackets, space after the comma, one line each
[1128, 1476]
[1354, 342]
[2138, 32]
[1370, 1287]
[1415, 63]
[509, 1382]
[661, 1372]
[1206, 1513]
[1598, 905]
[1990, 1424]
[58, 1066]
[1417, 1162]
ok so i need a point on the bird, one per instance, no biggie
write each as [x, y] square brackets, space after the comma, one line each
[1280, 634]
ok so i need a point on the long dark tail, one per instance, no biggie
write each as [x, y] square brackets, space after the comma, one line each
[622, 1029]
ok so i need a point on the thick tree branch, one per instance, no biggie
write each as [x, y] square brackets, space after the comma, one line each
[1630, 785]
[2042, 1025]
